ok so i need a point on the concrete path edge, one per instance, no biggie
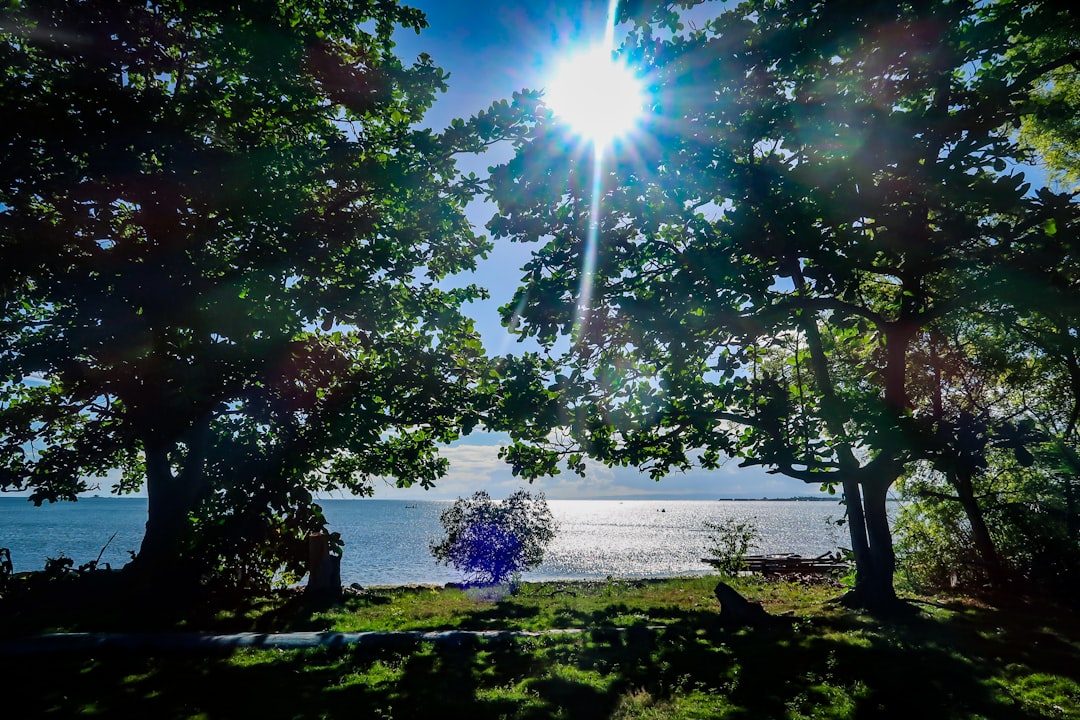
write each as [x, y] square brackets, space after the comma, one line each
[213, 642]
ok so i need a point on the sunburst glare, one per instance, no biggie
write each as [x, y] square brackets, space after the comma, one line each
[596, 95]
[601, 99]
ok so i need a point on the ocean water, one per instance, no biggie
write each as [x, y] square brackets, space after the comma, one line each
[387, 541]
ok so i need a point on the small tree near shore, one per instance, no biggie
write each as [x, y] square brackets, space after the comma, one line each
[490, 541]
[729, 541]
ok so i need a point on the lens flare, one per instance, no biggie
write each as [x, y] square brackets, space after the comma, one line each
[600, 99]
[597, 96]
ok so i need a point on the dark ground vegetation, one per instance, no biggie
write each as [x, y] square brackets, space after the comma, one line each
[652, 649]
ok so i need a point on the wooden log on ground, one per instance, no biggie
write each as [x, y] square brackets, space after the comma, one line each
[737, 611]
[789, 563]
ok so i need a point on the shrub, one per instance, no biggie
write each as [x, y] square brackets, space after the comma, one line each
[490, 541]
[729, 539]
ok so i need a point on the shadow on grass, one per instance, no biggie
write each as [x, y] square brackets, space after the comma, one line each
[499, 616]
[846, 666]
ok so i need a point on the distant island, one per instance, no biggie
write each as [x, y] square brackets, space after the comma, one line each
[795, 498]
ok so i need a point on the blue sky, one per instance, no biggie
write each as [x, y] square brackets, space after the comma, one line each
[492, 49]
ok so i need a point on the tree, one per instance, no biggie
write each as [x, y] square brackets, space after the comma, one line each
[490, 541]
[818, 184]
[729, 539]
[1052, 125]
[962, 423]
[998, 478]
[223, 234]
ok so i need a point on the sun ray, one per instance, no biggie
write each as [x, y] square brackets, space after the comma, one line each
[600, 99]
[592, 241]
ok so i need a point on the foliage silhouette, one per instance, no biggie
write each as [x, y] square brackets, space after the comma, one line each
[224, 233]
[818, 185]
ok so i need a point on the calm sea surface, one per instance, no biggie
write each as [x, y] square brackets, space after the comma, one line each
[386, 541]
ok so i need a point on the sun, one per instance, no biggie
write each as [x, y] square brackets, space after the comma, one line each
[598, 97]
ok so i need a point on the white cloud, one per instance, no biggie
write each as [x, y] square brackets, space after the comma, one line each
[475, 465]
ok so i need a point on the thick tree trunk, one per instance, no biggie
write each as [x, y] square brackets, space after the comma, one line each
[1072, 514]
[875, 495]
[324, 569]
[856, 523]
[874, 572]
[865, 489]
[168, 505]
[170, 500]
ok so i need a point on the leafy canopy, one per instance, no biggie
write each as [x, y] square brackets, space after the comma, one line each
[224, 232]
[817, 185]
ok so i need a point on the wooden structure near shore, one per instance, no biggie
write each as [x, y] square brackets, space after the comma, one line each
[324, 569]
[785, 563]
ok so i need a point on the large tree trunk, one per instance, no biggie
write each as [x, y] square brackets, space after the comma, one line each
[865, 487]
[856, 524]
[875, 496]
[171, 498]
[159, 561]
[868, 525]
[324, 569]
[1072, 514]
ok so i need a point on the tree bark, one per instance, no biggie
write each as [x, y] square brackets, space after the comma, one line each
[879, 586]
[166, 513]
[170, 500]
[874, 588]
[1072, 516]
[324, 569]
[980, 534]
[865, 486]
[856, 523]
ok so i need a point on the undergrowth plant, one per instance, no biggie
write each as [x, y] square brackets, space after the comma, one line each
[729, 541]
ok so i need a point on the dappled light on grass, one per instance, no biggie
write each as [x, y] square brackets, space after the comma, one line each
[675, 662]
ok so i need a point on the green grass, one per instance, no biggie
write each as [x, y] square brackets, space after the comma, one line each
[953, 658]
[543, 606]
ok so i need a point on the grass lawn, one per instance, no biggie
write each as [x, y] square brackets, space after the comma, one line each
[654, 649]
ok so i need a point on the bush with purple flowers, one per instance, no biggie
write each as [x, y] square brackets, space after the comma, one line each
[491, 541]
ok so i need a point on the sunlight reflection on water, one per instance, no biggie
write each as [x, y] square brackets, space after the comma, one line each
[386, 541]
[656, 539]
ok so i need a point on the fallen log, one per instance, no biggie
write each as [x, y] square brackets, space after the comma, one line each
[738, 612]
